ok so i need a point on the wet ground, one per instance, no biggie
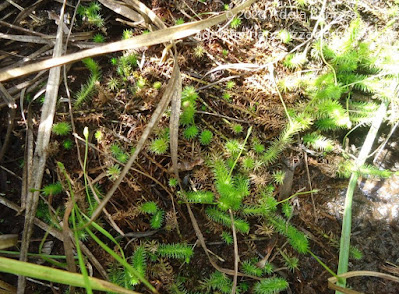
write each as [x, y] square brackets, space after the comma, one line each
[375, 223]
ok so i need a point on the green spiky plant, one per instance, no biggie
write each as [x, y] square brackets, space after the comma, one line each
[232, 187]
[99, 38]
[125, 65]
[248, 163]
[141, 83]
[114, 171]
[149, 207]
[354, 66]
[204, 197]
[179, 21]
[270, 285]
[61, 128]
[295, 61]
[178, 251]
[190, 132]
[88, 90]
[237, 128]
[339, 98]
[67, 144]
[226, 96]
[278, 176]
[189, 106]
[206, 137]
[113, 84]
[230, 85]
[227, 238]
[285, 36]
[144, 258]
[52, 189]
[199, 51]
[118, 153]
[43, 213]
[249, 267]
[157, 85]
[296, 124]
[219, 282]
[318, 142]
[157, 213]
[235, 23]
[159, 146]
[173, 182]
[224, 218]
[157, 219]
[139, 263]
[91, 14]
[258, 147]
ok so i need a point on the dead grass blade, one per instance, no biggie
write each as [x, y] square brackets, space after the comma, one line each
[28, 12]
[11, 115]
[18, 28]
[8, 99]
[26, 39]
[146, 11]
[152, 38]
[40, 156]
[123, 10]
[68, 248]
[333, 280]
[8, 240]
[174, 121]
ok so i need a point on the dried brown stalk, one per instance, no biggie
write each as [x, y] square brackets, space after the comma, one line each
[40, 155]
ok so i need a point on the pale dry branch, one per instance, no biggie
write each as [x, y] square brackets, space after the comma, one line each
[152, 38]
[40, 154]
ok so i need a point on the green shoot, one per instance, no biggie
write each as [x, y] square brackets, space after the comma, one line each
[114, 171]
[235, 23]
[206, 137]
[285, 36]
[61, 128]
[98, 38]
[270, 285]
[67, 144]
[149, 207]
[178, 251]
[190, 132]
[52, 189]
[159, 146]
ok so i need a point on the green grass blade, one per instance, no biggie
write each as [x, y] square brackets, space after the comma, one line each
[347, 218]
[121, 261]
[40, 272]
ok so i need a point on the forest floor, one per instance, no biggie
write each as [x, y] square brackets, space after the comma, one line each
[236, 93]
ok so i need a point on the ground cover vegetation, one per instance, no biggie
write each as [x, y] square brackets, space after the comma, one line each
[234, 186]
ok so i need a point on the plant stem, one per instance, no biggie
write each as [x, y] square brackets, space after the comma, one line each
[239, 154]
[347, 217]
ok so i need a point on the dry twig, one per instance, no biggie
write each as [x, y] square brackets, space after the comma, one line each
[40, 155]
